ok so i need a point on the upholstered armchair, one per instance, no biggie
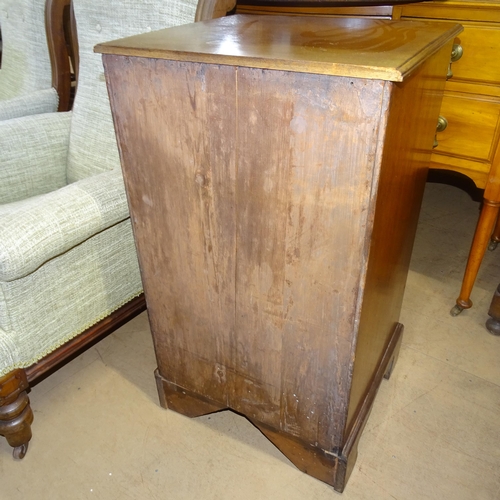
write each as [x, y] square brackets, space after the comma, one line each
[27, 82]
[68, 267]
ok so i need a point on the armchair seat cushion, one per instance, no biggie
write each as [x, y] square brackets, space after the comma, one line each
[67, 295]
[38, 229]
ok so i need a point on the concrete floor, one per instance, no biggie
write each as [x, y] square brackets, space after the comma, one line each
[434, 432]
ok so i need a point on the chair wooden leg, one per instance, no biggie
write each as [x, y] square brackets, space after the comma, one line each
[16, 416]
[493, 323]
[484, 228]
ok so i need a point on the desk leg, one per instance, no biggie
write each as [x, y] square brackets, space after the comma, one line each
[493, 323]
[484, 228]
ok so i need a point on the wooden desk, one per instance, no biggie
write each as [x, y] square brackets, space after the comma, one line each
[275, 169]
[470, 143]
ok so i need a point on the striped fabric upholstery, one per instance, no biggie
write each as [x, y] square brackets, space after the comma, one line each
[25, 75]
[67, 255]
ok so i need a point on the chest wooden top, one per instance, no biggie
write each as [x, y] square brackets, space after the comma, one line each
[358, 48]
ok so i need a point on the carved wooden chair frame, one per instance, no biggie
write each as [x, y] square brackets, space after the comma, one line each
[63, 49]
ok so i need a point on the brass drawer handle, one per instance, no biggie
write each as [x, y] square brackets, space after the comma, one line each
[441, 125]
[456, 53]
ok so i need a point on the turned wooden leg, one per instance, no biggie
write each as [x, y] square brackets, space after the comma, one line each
[484, 228]
[16, 416]
[493, 323]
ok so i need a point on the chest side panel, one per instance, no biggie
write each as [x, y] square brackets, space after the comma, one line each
[307, 148]
[252, 199]
[176, 128]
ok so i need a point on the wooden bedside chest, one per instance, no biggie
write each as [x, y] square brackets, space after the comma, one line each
[275, 169]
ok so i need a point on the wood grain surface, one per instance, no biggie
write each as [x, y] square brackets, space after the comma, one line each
[252, 229]
[359, 48]
[274, 214]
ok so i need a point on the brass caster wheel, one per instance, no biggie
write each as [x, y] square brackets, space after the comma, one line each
[492, 246]
[19, 451]
[456, 310]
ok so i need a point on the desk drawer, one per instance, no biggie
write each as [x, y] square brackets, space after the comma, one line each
[480, 43]
[472, 127]
[479, 62]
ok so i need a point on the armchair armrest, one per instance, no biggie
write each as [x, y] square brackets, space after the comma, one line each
[40, 228]
[34, 103]
[33, 155]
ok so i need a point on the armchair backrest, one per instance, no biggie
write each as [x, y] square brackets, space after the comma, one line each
[25, 55]
[93, 147]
